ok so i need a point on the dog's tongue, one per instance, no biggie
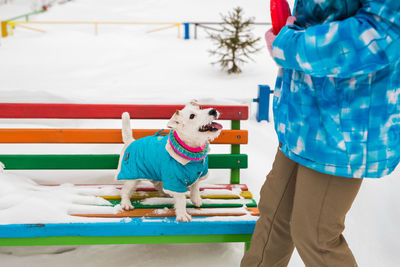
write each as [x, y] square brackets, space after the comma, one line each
[216, 125]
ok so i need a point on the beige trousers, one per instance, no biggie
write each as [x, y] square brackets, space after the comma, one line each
[302, 208]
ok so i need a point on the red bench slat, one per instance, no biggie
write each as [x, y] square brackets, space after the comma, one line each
[106, 111]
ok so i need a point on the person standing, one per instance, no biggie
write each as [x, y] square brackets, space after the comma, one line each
[337, 117]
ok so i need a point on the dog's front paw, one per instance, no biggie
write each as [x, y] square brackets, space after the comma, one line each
[196, 200]
[126, 204]
[183, 217]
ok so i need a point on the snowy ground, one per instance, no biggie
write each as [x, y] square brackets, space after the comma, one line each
[123, 64]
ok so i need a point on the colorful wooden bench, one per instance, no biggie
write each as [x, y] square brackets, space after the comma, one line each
[145, 226]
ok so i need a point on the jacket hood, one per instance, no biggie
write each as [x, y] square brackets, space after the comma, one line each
[312, 12]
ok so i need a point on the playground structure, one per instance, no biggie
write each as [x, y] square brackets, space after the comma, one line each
[8, 26]
[5, 23]
[208, 26]
[139, 230]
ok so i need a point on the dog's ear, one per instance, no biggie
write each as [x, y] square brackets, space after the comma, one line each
[174, 121]
[194, 102]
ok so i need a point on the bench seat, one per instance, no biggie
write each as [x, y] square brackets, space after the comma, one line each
[231, 211]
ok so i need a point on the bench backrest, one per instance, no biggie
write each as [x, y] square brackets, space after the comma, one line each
[234, 137]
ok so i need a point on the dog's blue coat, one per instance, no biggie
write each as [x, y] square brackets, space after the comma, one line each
[147, 158]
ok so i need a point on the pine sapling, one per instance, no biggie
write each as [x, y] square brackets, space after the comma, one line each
[235, 41]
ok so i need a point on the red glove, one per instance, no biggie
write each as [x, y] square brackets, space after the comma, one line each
[280, 11]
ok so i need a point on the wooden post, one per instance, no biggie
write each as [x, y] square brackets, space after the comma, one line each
[96, 28]
[235, 149]
[187, 30]
[12, 26]
[246, 246]
[4, 32]
[179, 30]
[264, 92]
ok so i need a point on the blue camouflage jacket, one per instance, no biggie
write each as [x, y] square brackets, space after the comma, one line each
[337, 99]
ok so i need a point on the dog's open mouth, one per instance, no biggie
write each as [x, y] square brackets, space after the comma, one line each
[211, 127]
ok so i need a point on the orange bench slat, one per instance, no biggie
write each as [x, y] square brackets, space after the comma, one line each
[98, 136]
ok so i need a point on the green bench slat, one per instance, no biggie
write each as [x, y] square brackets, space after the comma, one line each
[138, 205]
[107, 240]
[101, 162]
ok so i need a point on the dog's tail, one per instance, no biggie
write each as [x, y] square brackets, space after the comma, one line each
[126, 128]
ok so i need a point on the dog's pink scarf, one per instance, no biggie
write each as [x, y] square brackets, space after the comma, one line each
[183, 150]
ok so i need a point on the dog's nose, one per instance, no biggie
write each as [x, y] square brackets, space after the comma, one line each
[213, 112]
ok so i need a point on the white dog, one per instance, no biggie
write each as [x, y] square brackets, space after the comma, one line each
[174, 161]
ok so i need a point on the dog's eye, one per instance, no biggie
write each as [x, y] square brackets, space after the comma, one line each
[191, 116]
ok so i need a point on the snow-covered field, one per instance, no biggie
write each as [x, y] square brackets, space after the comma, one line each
[123, 64]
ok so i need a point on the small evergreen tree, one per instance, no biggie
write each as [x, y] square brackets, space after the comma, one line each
[235, 42]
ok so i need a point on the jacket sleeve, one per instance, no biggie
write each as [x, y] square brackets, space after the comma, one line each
[364, 43]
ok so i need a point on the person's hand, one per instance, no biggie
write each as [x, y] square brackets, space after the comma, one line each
[290, 20]
[270, 36]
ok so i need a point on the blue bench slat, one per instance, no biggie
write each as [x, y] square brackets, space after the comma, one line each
[136, 227]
